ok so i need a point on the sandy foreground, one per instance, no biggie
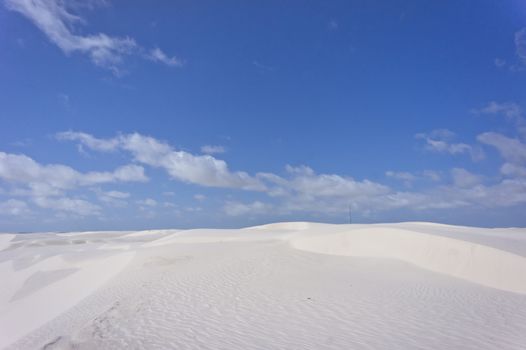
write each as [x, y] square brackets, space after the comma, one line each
[278, 286]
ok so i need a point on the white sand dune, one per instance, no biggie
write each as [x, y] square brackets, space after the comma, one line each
[5, 240]
[455, 257]
[279, 286]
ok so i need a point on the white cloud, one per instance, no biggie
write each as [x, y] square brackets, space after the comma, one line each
[432, 175]
[440, 141]
[518, 65]
[147, 202]
[130, 173]
[46, 185]
[115, 198]
[511, 111]
[262, 67]
[117, 194]
[42, 179]
[193, 209]
[148, 206]
[499, 62]
[513, 170]
[208, 149]
[520, 44]
[203, 170]
[331, 194]
[305, 191]
[405, 177]
[101, 145]
[71, 205]
[506, 193]
[511, 149]
[14, 207]
[463, 193]
[464, 178]
[126, 173]
[306, 182]
[199, 197]
[240, 209]
[56, 20]
[157, 55]
[302, 190]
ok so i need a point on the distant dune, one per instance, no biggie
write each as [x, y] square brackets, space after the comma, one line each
[294, 285]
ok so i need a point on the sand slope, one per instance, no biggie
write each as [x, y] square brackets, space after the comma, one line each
[278, 286]
[455, 257]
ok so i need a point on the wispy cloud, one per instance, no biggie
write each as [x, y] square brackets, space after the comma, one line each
[22, 143]
[332, 25]
[55, 18]
[463, 178]
[199, 197]
[64, 100]
[101, 145]
[239, 208]
[520, 44]
[71, 205]
[112, 197]
[149, 202]
[441, 141]
[405, 177]
[509, 110]
[432, 175]
[262, 66]
[511, 149]
[332, 194]
[157, 55]
[519, 63]
[209, 149]
[14, 207]
[499, 62]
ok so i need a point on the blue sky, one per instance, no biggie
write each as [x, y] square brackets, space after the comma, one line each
[131, 115]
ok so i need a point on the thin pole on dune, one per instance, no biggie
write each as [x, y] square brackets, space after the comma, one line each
[350, 214]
